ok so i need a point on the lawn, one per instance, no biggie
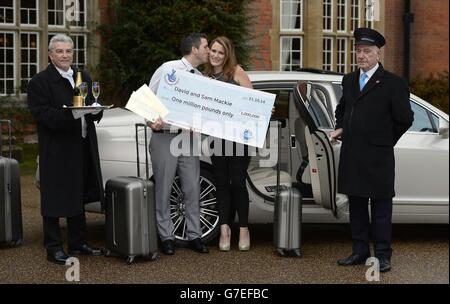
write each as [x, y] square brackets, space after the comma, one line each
[28, 165]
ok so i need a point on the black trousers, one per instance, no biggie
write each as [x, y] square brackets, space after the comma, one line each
[380, 225]
[231, 189]
[76, 232]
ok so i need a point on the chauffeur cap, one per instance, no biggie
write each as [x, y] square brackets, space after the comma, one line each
[368, 36]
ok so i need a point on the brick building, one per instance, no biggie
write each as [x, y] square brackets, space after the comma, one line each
[288, 34]
[429, 43]
[318, 34]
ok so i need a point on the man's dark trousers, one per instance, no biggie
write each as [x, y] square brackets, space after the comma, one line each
[381, 226]
[76, 232]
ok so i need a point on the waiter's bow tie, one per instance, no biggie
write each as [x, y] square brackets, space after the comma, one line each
[69, 73]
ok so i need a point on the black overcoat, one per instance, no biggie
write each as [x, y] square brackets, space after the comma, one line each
[373, 120]
[65, 158]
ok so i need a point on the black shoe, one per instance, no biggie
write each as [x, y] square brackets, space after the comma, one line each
[57, 257]
[86, 250]
[197, 245]
[385, 265]
[354, 259]
[167, 247]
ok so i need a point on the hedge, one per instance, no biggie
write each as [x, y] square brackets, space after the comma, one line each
[433, 89]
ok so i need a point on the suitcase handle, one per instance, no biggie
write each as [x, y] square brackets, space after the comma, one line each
[279, 125]
[137, 126]
[10, 135]
[113, 201]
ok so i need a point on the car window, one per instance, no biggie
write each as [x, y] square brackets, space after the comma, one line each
[281, 102]
[337, 88]
[321, 97]
[424, 120]
[317, 108]
[435, 121]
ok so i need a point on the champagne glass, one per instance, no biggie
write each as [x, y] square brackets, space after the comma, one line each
[84, 92]
[96, 92]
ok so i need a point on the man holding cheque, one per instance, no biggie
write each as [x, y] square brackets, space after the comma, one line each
[195, 50]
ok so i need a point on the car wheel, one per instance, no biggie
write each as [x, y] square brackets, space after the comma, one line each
[209, 212]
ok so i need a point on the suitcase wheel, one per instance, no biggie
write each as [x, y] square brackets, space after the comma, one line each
[296, 253]
[281, 252]
[107, 253]
[153, 256]
[18, 242]
[293, 253]
[130, 260]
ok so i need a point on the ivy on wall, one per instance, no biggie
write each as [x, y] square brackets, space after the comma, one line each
[433, 89]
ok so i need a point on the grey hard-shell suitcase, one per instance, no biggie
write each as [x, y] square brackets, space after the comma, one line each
[11, 231]
[287, 216]
[131, 215]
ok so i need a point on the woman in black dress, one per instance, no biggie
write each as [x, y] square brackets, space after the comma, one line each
[230, 168]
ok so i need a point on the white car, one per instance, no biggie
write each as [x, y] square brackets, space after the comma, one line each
[308, 160]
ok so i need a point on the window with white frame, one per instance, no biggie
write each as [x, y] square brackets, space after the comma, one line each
[56, 13]
[291, 15]
[291, 53]
[82, 14]
[341, 63]
[7, 63]
[342, 15]
[79, 50]
[76, 13]
[368, 13]
[355, 15]
[29, 51]
[353, 62]
[369, 24]
[28, 12]
[327, 15]
[7, 12]
[22, 26]
[327, 54]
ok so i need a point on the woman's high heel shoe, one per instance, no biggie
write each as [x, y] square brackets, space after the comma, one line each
[244, 241]
[225, 238]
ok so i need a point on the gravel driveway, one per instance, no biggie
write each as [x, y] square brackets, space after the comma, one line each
[421, 255]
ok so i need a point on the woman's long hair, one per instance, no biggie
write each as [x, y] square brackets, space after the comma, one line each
[229, 62]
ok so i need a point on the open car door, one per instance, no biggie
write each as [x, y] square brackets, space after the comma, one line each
[320, 151]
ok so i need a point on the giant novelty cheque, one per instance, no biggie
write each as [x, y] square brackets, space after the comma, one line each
[215, 108]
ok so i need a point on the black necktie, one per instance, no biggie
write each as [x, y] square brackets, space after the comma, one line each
[192, 71]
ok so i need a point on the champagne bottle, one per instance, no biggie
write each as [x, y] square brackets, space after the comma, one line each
[77, 98]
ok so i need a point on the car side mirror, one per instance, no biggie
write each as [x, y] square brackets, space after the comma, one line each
[443, 128]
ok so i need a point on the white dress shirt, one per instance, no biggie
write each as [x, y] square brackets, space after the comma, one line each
[181, 64]
[69, 75]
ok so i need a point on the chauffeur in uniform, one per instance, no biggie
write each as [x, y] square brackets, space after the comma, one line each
[371, 116]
